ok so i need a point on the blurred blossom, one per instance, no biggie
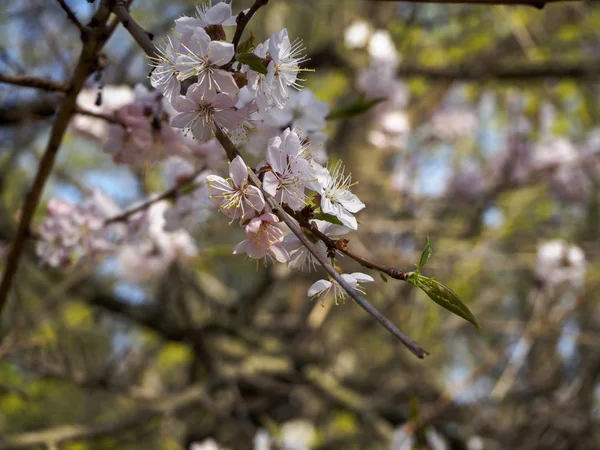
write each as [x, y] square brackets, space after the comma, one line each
[390, 130]
[552, 152]
[468, 185]
[559, 262]
[73, 231]
[382, 49]
[150, 250]
[357, 34]
[207, 444]
[404, 439]
[262, 440]
[297, 435]
[450, 125]
[113, 98]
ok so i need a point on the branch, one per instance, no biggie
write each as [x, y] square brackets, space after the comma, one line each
[55, 436]
[418, 351]
[94, 39]
[141, 36]
[243, 19]
[530, 72]
[33, 82]
[232, 151]
[168, 194]
[71, 15]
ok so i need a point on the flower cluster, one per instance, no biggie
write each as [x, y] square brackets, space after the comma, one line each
[253, 94]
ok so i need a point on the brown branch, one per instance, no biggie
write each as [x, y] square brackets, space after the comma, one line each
[71, 15]
[166, 195]
[531, 72]
[243, 19]
[112, 119]
[141, 36]
[418, 351]
[341, 245]
[94, 39]
[33, 82]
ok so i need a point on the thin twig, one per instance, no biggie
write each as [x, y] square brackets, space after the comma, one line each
[34, 82]
[141, 36]
[112, 119]
[168, 194]
[418, 351]
[94, 41]
[71, 15]
[243, 19]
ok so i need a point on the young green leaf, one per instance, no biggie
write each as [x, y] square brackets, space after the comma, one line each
[443, 296]
[247, 45]
[255, 62]
[383, 277]
[425, 255]
[327, 218]
[359, 106]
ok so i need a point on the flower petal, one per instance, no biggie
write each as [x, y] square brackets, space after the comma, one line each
[270, 183]
[318, 287]
[220, 53]
[238, 171]
[362, 277]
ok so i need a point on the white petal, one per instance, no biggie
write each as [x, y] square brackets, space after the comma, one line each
[318, 287]
[220, 53]
[362, 277]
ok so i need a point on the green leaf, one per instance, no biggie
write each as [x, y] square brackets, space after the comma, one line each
[253, 61]
[355, 108]
[383, 277]
[327, 218]
[247, 46]
[425, 255]
[443, 296]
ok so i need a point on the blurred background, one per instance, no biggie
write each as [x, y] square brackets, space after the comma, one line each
[488, 141]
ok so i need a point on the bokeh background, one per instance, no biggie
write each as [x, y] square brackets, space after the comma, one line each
[488, 142]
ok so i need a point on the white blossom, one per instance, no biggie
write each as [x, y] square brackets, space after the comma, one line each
[321, 288]
[235, 196]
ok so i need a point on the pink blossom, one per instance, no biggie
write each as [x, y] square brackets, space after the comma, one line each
[235, 196]
[199, 113]
[263, 238]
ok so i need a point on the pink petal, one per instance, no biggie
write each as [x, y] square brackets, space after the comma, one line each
[255, 197]
[226, 84]
[238, 171]
[182, 120]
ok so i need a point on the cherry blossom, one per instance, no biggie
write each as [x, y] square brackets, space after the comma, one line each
[558, 262]
[206, 15]
[321, 288]
[289, 170]
[202, 59]
[336, 198]
[262, 239]
[282, 72]
[164, 71]
[235, 197]
[199, 113]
